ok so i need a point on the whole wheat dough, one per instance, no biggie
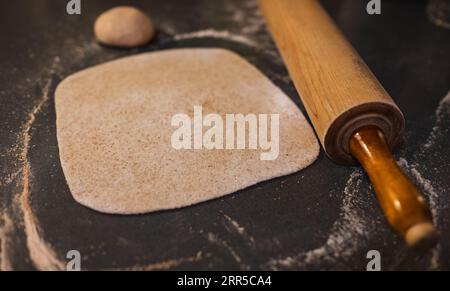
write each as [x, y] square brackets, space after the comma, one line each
[124, 26]
[114, 130]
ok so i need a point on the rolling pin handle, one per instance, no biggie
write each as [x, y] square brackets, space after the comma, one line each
[402, 203]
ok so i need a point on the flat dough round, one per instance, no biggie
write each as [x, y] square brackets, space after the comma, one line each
[114, 130]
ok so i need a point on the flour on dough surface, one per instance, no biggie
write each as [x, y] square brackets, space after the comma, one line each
[114, 130]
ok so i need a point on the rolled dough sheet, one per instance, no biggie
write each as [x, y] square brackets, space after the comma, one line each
[114, 130]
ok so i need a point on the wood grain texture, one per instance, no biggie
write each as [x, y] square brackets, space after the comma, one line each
[404, 206]
[339, 91]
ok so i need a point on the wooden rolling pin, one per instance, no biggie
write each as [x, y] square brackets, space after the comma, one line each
[354, 117]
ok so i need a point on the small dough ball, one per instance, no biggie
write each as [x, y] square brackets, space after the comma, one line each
[124, 26]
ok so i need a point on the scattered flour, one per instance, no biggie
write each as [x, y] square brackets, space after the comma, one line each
[212, 33]
[216, 240]
[165, 265]
[41, 253]
[6, 226]
[20, 213]
[239, 229]
[10, 178]
[250, 28]
[347, 234]
[441, 115]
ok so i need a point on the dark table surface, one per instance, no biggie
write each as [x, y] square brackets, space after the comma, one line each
[325, 217]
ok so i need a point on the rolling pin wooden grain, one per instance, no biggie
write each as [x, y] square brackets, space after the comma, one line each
[353, 115]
